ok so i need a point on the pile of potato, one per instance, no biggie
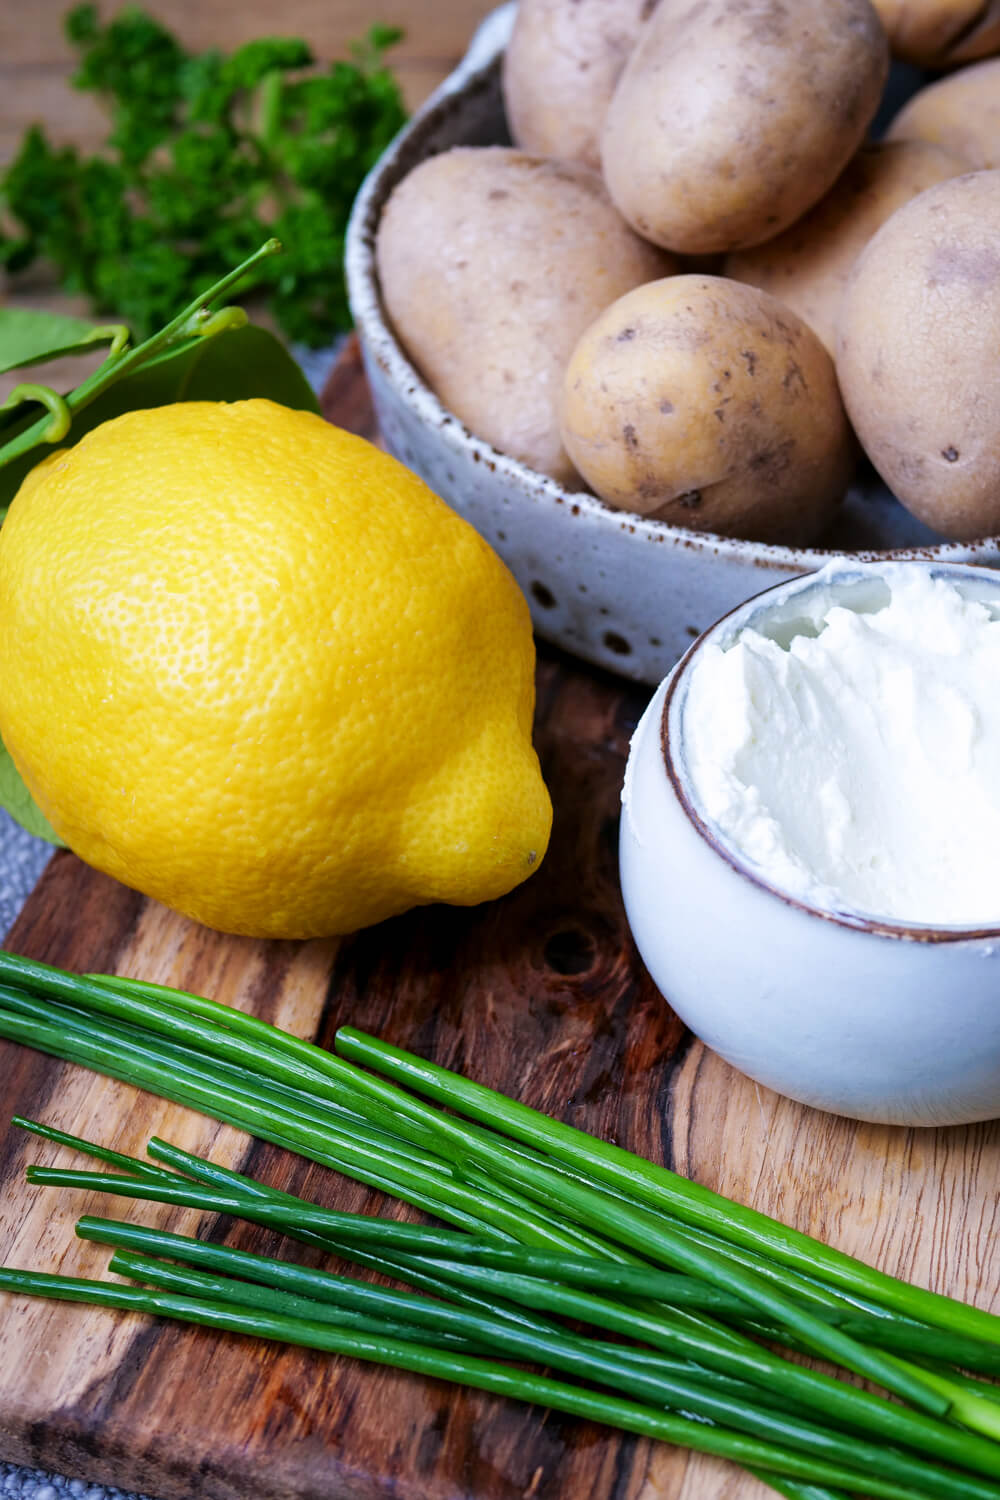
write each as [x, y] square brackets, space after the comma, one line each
[692, 283]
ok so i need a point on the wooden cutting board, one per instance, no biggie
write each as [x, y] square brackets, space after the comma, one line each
[541, 995]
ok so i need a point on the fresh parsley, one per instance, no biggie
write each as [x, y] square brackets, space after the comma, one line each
[207, 156]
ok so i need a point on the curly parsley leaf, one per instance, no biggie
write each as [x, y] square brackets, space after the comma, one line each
[207, 156]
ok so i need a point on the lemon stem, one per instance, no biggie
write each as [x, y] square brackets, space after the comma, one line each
[200, 319]
[56, 428]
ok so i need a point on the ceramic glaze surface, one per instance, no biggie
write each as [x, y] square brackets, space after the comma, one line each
[627, 593]
[877, 1021]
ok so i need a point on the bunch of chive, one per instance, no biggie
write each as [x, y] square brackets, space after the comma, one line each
[549, 1224]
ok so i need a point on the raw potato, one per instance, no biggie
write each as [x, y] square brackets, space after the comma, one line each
[492, 263]
[711, 405]
[560, 69]
[733, 117]
[941, 33]
[807, 267]
[917, 354]
[961, 113]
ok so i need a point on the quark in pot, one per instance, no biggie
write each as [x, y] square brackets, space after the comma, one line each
[856, 762]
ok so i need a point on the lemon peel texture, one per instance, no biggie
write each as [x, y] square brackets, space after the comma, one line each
[254, 668]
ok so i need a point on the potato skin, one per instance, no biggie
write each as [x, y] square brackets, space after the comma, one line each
[560, 68]
[961, 113]
[807, 267]
[709, 404]
[491, 263]
[941, 33]
[733, 117]
[917, 354]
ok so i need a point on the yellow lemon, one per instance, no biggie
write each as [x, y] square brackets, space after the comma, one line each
[253, 667]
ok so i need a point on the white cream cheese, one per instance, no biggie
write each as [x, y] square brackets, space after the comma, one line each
[859, 768]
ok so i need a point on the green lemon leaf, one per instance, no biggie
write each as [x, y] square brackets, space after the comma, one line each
[21, 805]
[238, 365]
[28, 335]
[234, 366]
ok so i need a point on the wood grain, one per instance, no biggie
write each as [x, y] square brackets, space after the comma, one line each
[542, 995]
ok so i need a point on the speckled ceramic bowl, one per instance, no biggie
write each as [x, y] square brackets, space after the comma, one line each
[627, 593]
[873, 1019]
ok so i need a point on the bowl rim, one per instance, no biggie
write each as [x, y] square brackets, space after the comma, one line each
[476, 73]
[878, 926]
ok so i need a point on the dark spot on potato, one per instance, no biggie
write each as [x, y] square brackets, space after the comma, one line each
[907, 467]
[949, 454]
[495, 194]
[517, 286]
[975, 265]
[690, 500]
[629, 434]
[767, 24]
[770, 463]
[617, 643]
[625, 335]
[720, 413]
[750, 358]
[666, 407]
[794, 377]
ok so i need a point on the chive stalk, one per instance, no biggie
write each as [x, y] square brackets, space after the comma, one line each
[565, 1145]
[601, 1366]
[637, 1280]
[660, 1188]
[545, 1215]
[833, 1400]
[499, 1379]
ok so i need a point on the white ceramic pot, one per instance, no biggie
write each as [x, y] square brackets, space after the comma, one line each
[870, 1019]
[625, 592]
